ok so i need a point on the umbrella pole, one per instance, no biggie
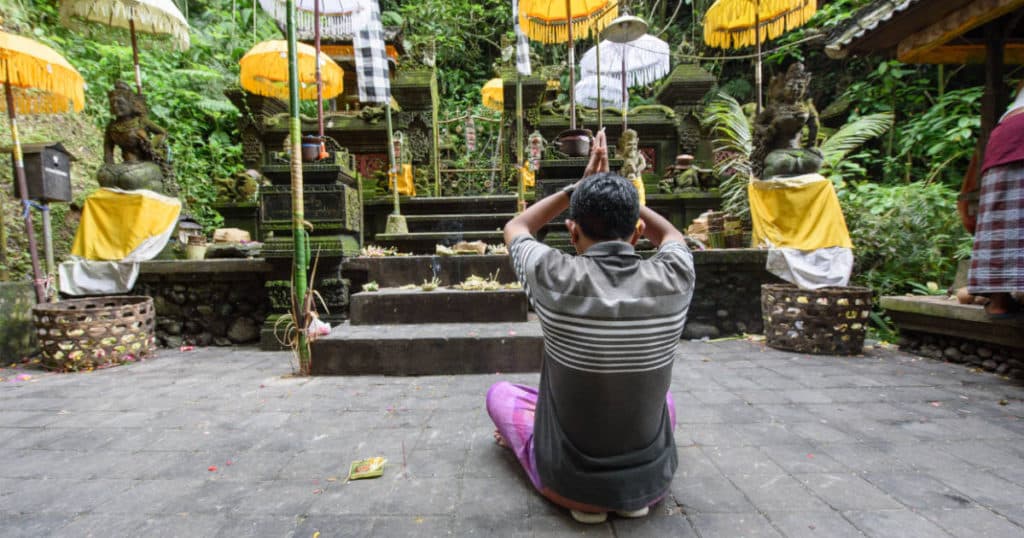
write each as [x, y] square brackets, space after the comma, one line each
[19, 172]
[757, 40]
[319, 78]
[435, 108]
[392, 158]
[300, 260]
[135, 53]
[572, 68]
[625, 100]
[520, 188]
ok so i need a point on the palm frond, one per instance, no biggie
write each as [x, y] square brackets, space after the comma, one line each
[853, 134]
[728, 125]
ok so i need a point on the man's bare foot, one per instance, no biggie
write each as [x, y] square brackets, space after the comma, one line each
[1000, 305]
[498, 438]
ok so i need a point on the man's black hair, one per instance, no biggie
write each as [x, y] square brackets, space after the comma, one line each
[606, 207]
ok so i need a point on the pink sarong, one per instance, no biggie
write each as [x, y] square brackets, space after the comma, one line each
[512, 408]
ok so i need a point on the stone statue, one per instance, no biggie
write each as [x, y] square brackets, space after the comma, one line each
[633, 161]
[779, 128]
[143, 146]
[681, 176]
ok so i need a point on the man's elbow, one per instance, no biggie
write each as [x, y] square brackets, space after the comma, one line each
[513, 229]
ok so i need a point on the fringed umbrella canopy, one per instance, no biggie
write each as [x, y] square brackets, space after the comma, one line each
[157, 17]
[264, 71]
[547, 21]
[493, 94]
[41, 79]
[731, 23]
[611, 96]
[336, 16]
[646, 60]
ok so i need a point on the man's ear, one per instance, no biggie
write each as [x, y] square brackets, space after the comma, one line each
[637, 232]
[574, 231]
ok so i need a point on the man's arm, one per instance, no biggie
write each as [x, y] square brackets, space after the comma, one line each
[657, 228]
[540, 213]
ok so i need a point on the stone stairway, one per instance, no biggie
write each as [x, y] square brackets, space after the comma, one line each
[444, 221]
[397, 331]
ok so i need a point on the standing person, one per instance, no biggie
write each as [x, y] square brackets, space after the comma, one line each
[596, 436]
[997, 262]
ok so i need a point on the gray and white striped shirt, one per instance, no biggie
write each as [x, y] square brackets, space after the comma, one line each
[611, 323]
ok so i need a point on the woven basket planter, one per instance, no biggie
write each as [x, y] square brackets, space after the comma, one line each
[830, 320]
[80, 334]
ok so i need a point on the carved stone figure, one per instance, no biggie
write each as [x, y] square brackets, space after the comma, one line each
[633, 161]
[536, 144]
[778, 129]
[143, 146]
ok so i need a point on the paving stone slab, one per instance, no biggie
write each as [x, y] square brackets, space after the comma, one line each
[817, 524]
[895, 524]
[746, 524]
[970, 522]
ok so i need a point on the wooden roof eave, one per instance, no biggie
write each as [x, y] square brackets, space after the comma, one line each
[928, 43]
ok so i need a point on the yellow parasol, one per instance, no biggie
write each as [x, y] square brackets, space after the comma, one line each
[38, 80]
[156, 17]
[547, 20]
[264, 71]
[493, 94]
[558, 21]
[742, 23]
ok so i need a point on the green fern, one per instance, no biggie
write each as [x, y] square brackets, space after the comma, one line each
[216, 106]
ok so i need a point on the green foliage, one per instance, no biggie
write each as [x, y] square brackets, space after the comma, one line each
[464, 36]
[939, 143]
[902, 234]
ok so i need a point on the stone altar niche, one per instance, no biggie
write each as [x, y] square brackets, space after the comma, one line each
[778, 129]
[143, 144]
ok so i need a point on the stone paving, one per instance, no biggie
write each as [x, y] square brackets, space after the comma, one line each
[222, 442]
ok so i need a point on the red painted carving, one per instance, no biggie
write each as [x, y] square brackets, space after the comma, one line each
[368, 163]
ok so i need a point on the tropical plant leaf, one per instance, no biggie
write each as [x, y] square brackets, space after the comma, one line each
[728, 125]
[852, 135]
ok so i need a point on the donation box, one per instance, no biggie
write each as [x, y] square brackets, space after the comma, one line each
[47, 171]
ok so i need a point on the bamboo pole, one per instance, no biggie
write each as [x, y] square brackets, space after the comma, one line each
[520, 188]
[300, 260]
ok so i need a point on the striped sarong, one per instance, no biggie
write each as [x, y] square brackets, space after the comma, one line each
[997, 262]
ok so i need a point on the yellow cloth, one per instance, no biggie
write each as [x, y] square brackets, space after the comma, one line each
[801, 212]
[528, 176]
[406, 185]
[641, 190]
[115, 223]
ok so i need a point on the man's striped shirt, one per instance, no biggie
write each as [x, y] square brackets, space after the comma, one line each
[611, 323]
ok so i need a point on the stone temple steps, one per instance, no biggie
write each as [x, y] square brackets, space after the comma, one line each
[397, 331]
[448, 220]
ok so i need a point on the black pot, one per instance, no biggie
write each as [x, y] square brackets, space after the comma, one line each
[574, 142]
[310, 148]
